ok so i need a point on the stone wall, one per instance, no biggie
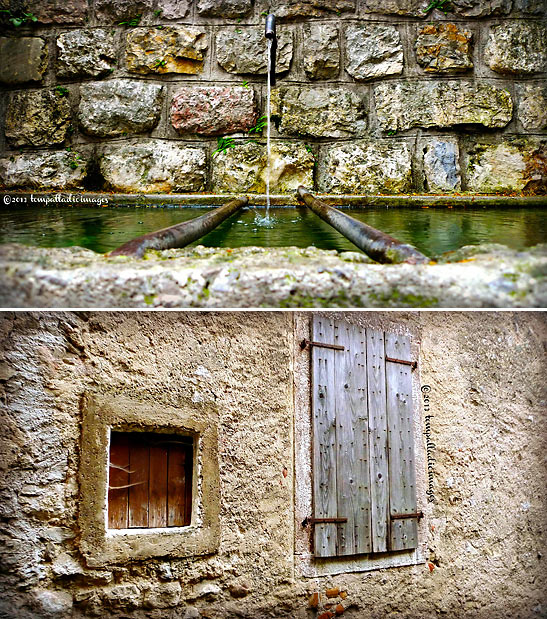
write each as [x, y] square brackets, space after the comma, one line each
[484, 536]
[381, 97]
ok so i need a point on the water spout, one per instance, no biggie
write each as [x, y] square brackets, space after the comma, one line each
[271, 35]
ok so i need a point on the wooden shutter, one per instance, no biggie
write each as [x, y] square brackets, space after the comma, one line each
[150, 480]
[363, 460]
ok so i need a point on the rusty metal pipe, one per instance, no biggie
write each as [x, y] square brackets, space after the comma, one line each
[181, 234]
[375, 243]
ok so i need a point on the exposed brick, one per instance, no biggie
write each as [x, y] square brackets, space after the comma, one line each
[314, 600]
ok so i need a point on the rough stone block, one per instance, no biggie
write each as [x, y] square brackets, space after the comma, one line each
[441, 165]
[321, 53]
[224, 8]
[60, 11]
[415, 8]
[24, 59]
[308, 8]
[153, 167]
[403, 105]
[383, 166]
[163, 595]
[444, 48]
[245, 168]
[109, 12]
[119, 107]
[529, 7]
[517, 47]
[122, 596]
[43, 171]
[532, 107]
[86, 53]
[481, 8]
[37, 118]
[319, 112]
[513, 165]
[53, 603]
[419, 8]
[174, 49]
[214, 110]
[174, 9]
[373, 51]
[243, 50]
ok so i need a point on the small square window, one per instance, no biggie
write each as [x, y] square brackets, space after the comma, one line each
[150, 480]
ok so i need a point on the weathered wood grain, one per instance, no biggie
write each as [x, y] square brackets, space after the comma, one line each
[177, 486]
[352, 481]
[377, 419]
[139, 463]
[324, 433]
[118, 497]
[402, 477]
[158, 486]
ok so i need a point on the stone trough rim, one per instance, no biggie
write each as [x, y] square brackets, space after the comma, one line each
[277, 200]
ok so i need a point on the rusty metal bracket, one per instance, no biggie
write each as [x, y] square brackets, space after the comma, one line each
[404, 516]
[308, 343]
[314, 521]
[412, 364]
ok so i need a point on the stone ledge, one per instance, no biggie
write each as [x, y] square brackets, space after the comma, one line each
[278, 200]
[244, 277]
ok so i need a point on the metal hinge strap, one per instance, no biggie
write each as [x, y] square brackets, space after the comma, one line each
[412, 364]
[314, 521]
[403, 516]
[305, 343]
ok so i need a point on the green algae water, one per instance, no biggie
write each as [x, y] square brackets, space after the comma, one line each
[431, 230]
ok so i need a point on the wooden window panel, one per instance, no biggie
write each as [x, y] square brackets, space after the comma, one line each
[139, 463]
[377, 422]
[118, 480]
[179, 486]
[150, 481]
[403, 533]
[352, 482]
[158, 486]
[324, 432]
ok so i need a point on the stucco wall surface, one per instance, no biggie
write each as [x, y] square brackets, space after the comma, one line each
[484, 536]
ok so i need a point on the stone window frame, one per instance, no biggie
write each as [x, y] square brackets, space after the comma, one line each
[306, 564]
[102, 546]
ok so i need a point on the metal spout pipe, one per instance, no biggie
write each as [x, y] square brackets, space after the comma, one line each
[376, 244]
[181, 234]
[271, 34]
[270, 27]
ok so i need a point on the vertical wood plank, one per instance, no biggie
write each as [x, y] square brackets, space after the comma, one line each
[118, 498]
[352, 481]
[158, 485]
[324, 437]
[139, 463]
[402, 475]
[189, 484]
[378, 438]
[176, 486]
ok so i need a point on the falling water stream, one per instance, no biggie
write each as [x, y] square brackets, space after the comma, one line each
[267, 221]
[268, 147]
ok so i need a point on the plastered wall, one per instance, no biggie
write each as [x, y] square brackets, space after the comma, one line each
[483, 537]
